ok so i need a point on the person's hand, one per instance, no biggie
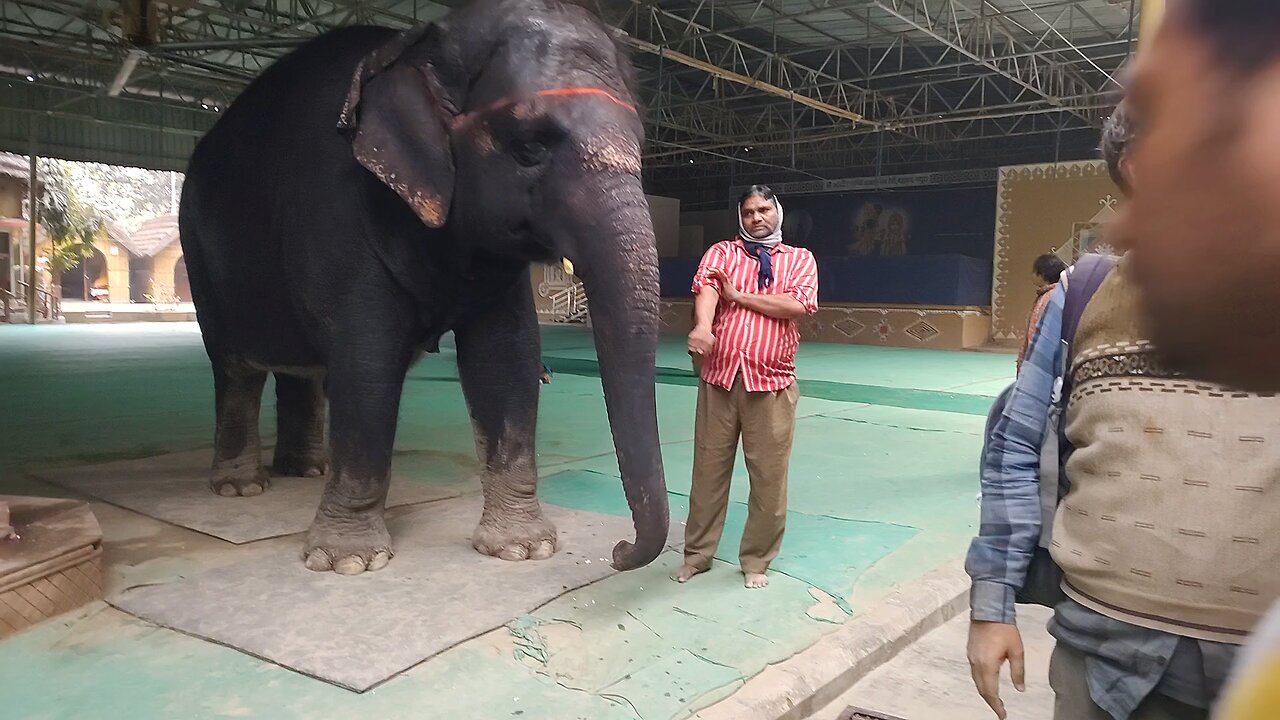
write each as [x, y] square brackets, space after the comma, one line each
[701, 341]
[727, 291]
[990, 645]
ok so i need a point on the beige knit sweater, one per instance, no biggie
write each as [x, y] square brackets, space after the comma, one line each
[1172, 521]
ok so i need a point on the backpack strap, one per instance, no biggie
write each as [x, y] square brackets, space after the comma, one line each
[1079, 282]
[1082, 280]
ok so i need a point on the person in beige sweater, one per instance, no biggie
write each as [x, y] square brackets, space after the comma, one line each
[1167, 563]
[1204, 225]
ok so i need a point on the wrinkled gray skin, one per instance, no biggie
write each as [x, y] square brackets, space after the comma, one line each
[372, 191]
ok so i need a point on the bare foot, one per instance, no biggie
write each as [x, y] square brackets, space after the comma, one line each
[756, 581]
[685, 573]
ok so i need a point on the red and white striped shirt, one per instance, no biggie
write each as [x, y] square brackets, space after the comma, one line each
[762, 348]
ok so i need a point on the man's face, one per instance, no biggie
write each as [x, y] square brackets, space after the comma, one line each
[1203, 218]
[759, 216]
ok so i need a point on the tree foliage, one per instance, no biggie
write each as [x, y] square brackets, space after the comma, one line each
[69, 223]
[127, 195]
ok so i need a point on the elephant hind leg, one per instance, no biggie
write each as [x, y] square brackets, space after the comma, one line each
[237, 461]
[300, 419]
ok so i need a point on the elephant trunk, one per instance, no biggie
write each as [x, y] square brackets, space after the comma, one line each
[618, 261]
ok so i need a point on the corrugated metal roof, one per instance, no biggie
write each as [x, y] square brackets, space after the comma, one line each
[102, 129]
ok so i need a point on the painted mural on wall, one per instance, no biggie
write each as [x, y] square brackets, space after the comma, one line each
[1091, 236]
[1062, 208]
[888, 224]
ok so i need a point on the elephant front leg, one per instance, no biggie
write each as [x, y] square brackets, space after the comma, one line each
[498, 363]
[349, 534]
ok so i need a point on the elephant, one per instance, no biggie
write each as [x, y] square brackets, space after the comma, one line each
[375, 189]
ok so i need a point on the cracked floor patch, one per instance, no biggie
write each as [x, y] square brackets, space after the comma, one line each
[827, 608]
[824, 551]
[667, 648]
[668, 687]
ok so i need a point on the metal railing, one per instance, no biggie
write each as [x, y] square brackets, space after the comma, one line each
[48, 305]
[570, 304]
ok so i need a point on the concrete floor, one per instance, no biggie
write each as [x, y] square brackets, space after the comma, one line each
[930, 679]
[882, 491]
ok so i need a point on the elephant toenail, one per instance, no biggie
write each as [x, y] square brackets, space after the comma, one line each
[515, 553]
[228, 490]
[251, 490]
[350, 565]
[543, 550]
[380, 560]
[319, 560]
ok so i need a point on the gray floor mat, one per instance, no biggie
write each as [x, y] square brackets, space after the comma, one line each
[175, 488]
[357, 632]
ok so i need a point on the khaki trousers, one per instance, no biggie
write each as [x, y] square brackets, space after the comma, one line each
[766, 421]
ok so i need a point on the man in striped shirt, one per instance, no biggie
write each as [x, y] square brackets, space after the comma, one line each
[749, 292]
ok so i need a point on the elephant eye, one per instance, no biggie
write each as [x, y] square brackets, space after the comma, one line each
[530, 152]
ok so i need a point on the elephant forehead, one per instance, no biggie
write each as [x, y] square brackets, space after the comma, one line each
[611, 151]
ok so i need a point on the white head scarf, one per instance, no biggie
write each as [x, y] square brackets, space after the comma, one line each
[773, 238]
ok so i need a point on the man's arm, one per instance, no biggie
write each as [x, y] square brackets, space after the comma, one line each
[701, 341]
[706, 293]
[797, 299]
[781, 307]
[1010, 515]
[1011, 520]
[704, 307]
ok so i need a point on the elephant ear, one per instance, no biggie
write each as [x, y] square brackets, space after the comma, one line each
[399, 115]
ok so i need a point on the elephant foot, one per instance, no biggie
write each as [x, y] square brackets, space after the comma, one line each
[348, 547]
[303, 465]
[241, 482]
[529, 539]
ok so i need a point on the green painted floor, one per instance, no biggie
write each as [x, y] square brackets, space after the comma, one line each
[882, 491]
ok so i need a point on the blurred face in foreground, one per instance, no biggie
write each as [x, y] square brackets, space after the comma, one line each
[1203, 219]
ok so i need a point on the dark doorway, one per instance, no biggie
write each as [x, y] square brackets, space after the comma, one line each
[79, 282]
[141, 277]
[181, 283]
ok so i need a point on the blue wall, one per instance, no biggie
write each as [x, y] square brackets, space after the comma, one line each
[917, 247]
[935, 221]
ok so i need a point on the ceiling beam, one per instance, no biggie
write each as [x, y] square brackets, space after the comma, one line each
[739, 78]
[894, 8]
